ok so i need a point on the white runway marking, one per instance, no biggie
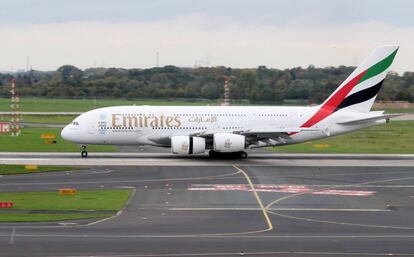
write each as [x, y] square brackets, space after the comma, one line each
[229, 235]
[68, 223]
[163, 159]
[329, 185]
[13, 234]
[24, 159]
[277, 209]
[281, 253]
[340, 223]
[122, 181]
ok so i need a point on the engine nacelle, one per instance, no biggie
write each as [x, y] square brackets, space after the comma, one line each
[187, 145]
[226, 142]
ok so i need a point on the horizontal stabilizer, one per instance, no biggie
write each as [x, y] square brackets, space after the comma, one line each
[370, 119]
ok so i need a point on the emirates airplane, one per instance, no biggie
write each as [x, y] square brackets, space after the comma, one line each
[189, 130]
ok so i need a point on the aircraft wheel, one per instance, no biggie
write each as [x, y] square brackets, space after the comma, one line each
[84, 154]
[243, 155]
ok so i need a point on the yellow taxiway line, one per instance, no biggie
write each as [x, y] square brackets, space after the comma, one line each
[259, 201]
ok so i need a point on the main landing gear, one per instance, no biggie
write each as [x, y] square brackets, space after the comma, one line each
[243, 155]
[84, 153]
[213, 154]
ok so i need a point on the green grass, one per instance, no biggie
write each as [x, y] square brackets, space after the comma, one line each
[96, 200]
[39, 217]
[83, 105]
[30, 141]
[30, 104]
[406, 110]
[49, 206]
[394, 137]
[49, 119]
[6, 169]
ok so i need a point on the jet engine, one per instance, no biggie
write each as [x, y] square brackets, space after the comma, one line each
[226, 142]
[187, 145]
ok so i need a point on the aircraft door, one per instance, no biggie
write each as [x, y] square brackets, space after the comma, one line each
[252, 116]
[294, 119]
[91, 128]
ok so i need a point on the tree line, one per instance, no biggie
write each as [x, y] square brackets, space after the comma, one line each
[311, 84]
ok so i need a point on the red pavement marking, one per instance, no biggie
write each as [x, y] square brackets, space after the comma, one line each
[281, 189]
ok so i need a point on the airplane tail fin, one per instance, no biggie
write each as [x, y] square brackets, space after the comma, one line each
[359, 90]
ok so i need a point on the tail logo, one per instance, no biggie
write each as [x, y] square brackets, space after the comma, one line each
[341, 98]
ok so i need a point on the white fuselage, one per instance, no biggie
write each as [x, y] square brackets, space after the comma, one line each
[155, 125]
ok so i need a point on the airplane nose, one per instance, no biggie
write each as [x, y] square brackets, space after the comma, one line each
[65, 133]
[70, 133]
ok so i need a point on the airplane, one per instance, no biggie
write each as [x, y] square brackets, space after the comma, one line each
[222, 130]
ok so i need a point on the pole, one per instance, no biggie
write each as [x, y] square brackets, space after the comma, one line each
[15, 105]
[226, 101]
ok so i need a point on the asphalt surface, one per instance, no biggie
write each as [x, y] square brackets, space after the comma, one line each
[227, 211]
[168, 159]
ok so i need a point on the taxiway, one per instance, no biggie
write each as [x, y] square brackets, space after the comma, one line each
[228, 210]
[168, 159]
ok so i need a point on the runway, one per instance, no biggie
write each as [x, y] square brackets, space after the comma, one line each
[228, 211]
[168, 159]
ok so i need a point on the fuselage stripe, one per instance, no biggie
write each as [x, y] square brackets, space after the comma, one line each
[333, 102]
[360, 96]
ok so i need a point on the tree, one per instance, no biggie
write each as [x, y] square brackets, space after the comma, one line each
[261, 84]
[210, 90]
[69, 72]
[248, 82]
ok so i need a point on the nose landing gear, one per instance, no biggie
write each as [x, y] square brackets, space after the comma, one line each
[84, 153]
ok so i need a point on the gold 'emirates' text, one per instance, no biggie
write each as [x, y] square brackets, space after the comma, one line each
[142, 121]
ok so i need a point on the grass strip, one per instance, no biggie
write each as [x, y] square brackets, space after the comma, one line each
[51, 206]
[9, 169]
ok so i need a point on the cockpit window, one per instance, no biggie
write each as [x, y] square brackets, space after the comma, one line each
[75, 123]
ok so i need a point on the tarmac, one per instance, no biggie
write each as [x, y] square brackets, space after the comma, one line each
[168, 159]
[357, 206]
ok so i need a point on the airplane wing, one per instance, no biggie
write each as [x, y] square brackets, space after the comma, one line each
[160, 140]
[273, 130]
[259, 137]
[369, 119]
[261, 131]
[254, 136]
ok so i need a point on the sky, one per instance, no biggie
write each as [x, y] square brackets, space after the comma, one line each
[46, 34]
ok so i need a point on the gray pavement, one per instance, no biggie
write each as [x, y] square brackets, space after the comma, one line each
[168, 159]
[226, 211]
